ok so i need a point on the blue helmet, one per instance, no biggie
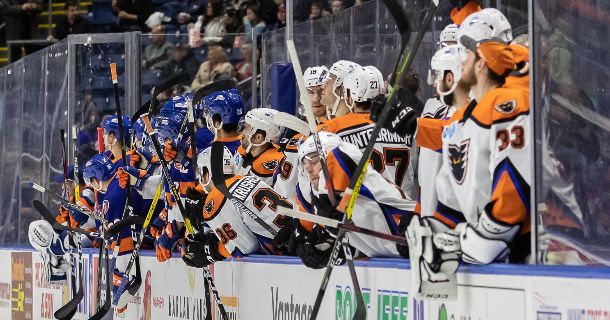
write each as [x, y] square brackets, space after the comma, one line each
[175, 105]
[99, 167]
[168, 128]
[226, 106]
[111, 125]
[143, 144]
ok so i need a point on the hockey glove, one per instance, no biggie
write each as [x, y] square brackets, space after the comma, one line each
[281, 241]
[123, 177]
[201, 250]
[324, 208]
[167, 241]
[168, 152]
[78, 216]
[158, 223]
[193, 204]
[134, 159]
[402, 117]
[315, 248]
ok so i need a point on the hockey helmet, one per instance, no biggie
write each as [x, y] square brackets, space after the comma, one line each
[315, 76]
[486, 24]
[448, 58]
[204, 163]
[175, 105]
[339, 69]
[449, 35]
[262, 119]
[170, 128]
[226, 106]
[99, 167]
[328, 141]
[111, 125]
[363, 84]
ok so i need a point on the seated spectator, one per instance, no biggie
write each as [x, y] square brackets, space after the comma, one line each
[281, 17]
[217, 64]
[159, 51]
[243, 70]
[316, 11]
[183, 60]
[252, 21]
[72, 23]
[233, 26]
[189, 10]
[132, 14]
[213, 20]
[336, 6]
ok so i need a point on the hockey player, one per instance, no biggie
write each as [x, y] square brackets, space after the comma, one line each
[258, 155]
[223, 111]
[314, 77]
[332, 91]
[448, 36]
[379, 207]
[452, 94]
[234, 232]
[392, 156]
[112, 141]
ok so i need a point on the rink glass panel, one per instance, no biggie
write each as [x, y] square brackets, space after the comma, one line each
[572, 117]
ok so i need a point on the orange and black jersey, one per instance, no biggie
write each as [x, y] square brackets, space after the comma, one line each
[262, 166]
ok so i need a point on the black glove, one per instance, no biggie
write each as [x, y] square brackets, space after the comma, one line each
[193, 204]
[324, 208]
[315, 248]
[281, 241]
[201, 250]
[403, 223]
[403, 113]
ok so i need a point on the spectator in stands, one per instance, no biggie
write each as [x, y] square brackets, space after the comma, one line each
[213, 20]
[233, 25]
[72, 23]
[216, 65]
[183, 60]
[252, 20]
[20, 23]
[89, 114]
[243, 70]
[159, 51]
[281, 18]
[267, 11]
[132, 14]
[315, 11]
[336, 6]
[189, 10]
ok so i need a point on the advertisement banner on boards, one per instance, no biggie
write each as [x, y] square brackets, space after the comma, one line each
[5, 285]
[21, 285]
[573, 299]
[46, 297]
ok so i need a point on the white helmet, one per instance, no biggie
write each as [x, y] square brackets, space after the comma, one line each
[340, 69]
[486, 24]
[262, 119]
[328, 142]
[449, 34]
[446, 59]
[315, 76]
[204, 160]
[363, 84]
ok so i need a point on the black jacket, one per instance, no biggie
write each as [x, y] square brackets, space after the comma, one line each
[63, 28]
[20, 24]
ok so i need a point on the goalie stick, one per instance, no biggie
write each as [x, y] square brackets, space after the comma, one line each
[332, 223]
[168, 179]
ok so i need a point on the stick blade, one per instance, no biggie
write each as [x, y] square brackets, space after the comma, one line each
[120, 225]
[215, 86]
[69, 309]
[44, 211]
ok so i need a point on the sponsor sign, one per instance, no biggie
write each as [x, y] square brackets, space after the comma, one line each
[5, 285]
[21, 285]
[47, 297]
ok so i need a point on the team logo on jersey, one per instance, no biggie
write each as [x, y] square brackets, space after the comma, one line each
[285, 169]
[507, 107]
[270, 165]
[458, 158]
[209, 207]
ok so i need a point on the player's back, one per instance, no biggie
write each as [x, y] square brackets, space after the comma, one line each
[262, 166]
[237, 229]
[391, 157]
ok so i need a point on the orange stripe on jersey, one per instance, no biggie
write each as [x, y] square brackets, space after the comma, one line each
[265, 163]
[223, 250]
[445, 220]
[215, 201]
[183, 186]
[417, 209]
[507, 204]
[228, 139]
[338, 176]
[429, 133]
[499, 105]
[348, 121]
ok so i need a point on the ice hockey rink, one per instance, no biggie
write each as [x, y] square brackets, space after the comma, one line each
[49, 92]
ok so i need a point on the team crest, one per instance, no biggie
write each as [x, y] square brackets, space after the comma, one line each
[458, 158]
[270, 165]
[209, 207]
[507, 107]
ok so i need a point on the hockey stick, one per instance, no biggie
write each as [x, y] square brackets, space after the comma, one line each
[332, 223]
[70, 308]
[107, 302]
[151, 105]
[135, 286]
[65, 202]
[48, 216]
[207, 276]
[218, 179]
[168, 179]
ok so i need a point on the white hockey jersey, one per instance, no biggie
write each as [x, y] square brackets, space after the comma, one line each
[378, 207]
[237, 231]
[430, 158]
[392, 156]
[487, 161]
